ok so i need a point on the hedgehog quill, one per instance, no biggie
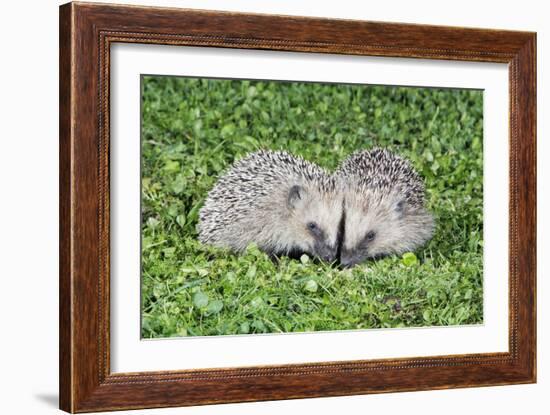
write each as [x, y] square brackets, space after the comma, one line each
[384, 206]
[282, 203]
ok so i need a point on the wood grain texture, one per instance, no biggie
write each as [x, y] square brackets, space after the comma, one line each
[86, 33]
[65, 247]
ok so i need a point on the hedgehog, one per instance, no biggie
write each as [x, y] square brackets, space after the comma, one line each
[282, 203]
[384, 207]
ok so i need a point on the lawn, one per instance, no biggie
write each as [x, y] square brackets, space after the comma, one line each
[192, 130]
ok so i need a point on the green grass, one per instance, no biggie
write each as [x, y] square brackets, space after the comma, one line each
[192, 130]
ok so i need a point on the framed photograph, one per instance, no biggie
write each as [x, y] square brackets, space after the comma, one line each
[258, 207]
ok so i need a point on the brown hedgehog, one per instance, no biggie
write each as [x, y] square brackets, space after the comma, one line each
[282, 203]
[384, 206]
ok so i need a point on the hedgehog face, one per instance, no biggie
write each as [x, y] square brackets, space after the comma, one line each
[314, 222]
[377, 225]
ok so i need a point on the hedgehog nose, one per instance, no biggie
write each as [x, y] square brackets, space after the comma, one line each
[328, 258]
[347, 261]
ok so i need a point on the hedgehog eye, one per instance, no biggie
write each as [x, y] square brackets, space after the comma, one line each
[312, 227]
[370, 236]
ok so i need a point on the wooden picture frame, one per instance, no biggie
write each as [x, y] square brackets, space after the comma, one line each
[86, 33]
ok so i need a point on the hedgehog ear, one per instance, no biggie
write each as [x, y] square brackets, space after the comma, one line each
[295, 194]
[400, 207]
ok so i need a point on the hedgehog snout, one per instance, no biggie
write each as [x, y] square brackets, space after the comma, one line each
[325, 252]
[328, 258]
[328, 255]
[350, 258]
